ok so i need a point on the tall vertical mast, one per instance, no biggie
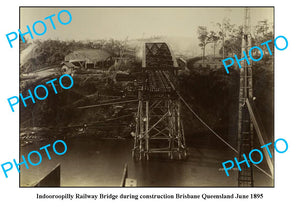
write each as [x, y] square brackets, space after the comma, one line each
[245, 126]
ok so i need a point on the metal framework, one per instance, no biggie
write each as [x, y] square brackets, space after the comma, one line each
[159, 128]
[245, 125]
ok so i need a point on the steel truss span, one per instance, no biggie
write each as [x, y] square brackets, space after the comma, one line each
[159, 128]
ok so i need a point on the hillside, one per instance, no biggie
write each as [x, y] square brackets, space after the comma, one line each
[211, 93]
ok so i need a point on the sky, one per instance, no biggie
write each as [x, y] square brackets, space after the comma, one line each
[119, 23]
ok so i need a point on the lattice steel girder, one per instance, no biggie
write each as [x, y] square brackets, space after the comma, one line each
[159, 129]
[158, 119]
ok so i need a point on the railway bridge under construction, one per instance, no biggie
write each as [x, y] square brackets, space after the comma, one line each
[159, 132]
[158, 121]
[159, 128]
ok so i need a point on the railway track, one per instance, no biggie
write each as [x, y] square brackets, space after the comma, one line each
[157, 82]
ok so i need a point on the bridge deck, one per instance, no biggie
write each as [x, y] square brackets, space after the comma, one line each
[157, 82]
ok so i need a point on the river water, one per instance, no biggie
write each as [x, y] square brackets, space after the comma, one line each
[92, 162]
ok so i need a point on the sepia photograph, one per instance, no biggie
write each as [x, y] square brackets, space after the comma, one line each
[146, 96]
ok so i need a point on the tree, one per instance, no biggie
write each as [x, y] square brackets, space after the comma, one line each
[233, 44]
[203, 38]
[115, 47]
[262, 28]
[263, 32]
[224, 28]
[214, 39]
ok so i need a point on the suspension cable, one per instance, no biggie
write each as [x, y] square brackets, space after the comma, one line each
[216, 134]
